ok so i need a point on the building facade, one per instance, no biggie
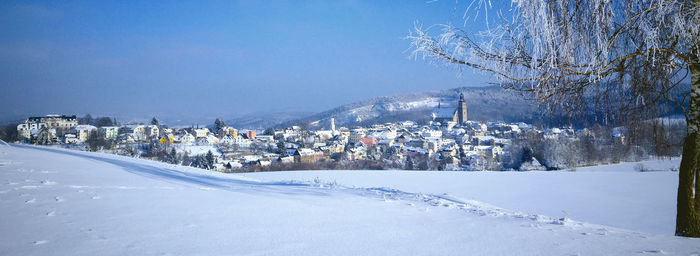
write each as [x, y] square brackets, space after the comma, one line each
[61, 123]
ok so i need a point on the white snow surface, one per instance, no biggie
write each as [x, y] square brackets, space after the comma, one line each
[613, 195]
[63, 202]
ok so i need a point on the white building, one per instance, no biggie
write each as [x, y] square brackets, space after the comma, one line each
[83, 131]
[109, 132]
[151, 131]
[26, 130]
[200, 132]
[187, 139]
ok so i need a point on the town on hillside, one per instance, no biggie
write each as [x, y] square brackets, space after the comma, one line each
[448, 142]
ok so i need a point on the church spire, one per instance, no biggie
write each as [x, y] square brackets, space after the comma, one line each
[462, 109]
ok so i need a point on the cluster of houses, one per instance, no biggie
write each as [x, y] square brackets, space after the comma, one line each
[449, 141]
[468, 145]
[64, 129]
[52, 129]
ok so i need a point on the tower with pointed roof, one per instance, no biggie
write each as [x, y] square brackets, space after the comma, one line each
[456, 114]
[462, 109]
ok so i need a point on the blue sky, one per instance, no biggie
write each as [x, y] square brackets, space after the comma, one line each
[227, 58]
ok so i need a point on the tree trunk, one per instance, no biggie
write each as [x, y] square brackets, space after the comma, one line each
[688, 205]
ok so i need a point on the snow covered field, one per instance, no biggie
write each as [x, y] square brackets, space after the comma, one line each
[613, 195]
[62, 202]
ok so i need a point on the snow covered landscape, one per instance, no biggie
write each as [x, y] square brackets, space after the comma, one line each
[63, 202]
[548, 127]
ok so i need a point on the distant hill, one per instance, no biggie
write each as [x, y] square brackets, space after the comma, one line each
[490, 103]
[264, 120]
[483, 103]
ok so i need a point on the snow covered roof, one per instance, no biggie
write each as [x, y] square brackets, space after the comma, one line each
[368, 141]
[484, 138]
[305, 151]
[444, 112]
[84, 127]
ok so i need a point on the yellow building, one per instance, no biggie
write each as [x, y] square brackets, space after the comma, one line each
[166, 139]
[228, 130]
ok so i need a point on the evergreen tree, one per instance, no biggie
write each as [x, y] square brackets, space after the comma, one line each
[281, 147]
[526, 155]
[209, 158]
[95, 141]
[185, 158]
[218, 125]
[155, 122]
[103, 121]
[173, 156]
[87, 119]
[409, 163]
[9, 133]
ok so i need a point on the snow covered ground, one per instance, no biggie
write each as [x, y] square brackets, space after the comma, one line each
[613, 195]
[62, 202]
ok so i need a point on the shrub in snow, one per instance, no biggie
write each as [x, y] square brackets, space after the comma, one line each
[640, 167]
[532, 165]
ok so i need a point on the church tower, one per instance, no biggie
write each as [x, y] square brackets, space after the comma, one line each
[333, 126]
[462, 109]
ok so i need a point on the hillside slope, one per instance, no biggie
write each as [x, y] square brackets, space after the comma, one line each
[483, 103]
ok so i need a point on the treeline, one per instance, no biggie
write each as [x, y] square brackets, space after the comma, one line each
[167, 154]
[98, 121]
[321, 165]
[8, 132]
[599, 145]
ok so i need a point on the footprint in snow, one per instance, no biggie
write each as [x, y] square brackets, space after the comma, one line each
[40, 242]
[96, 197]
[30, 201]
[48, 182]
[59, 199]
[51, 213]
[653, 251]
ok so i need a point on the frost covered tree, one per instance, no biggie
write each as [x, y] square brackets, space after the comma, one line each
[619, 57]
